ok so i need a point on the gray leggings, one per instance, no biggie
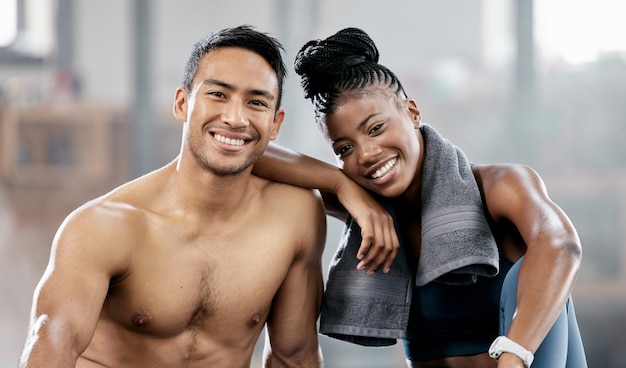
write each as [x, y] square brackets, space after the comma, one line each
[563, 346]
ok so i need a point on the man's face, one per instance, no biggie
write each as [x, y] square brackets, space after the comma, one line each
[230, 115]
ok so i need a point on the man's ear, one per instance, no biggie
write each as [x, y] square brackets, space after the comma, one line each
[181, 101]
[279, 117]
[414, 112]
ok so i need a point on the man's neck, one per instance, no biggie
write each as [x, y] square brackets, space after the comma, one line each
[208, 194]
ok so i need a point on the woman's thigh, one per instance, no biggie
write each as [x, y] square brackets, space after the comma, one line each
[563, 346]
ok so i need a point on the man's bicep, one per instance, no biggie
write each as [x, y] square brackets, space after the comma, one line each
[69, 301]
[69, 297]
[292, 325]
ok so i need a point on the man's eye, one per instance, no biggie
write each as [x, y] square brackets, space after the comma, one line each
[258, 103]
[217, 94]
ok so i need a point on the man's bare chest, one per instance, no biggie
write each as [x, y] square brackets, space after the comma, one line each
[203, 284]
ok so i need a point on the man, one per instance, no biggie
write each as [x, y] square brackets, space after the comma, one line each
[184, 266]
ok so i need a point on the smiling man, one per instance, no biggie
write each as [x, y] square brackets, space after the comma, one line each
[184, 266]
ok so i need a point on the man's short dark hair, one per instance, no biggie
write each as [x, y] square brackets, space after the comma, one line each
[245, 37]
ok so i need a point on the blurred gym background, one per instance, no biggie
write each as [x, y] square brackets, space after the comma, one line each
[86, 90]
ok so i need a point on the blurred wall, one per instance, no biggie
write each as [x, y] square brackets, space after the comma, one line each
[457, 58]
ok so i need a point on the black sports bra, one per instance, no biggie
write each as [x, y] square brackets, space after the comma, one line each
[452, 320]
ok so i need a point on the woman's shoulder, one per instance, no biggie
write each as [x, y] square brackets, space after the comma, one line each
[500, 175]
[508, 189]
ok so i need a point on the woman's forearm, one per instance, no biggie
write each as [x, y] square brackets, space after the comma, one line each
[546, 279]
[286, 166]
[379, 245]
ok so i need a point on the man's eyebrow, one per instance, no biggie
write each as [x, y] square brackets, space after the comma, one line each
[230, 87]
[361, 124]
[260, 92]
[218, 82]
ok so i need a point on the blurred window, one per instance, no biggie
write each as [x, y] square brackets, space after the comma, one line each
[27, 30]
[8, 22]
[579, 31]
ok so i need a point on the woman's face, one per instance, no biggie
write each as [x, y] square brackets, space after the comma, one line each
[376, 143]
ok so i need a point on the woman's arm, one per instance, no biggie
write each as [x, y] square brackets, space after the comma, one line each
[551, 263]
[287, 166]
[380, 244]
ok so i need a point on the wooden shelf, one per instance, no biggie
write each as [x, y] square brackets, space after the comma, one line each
[56, 144]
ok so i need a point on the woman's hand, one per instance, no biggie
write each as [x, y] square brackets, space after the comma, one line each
[380, 244]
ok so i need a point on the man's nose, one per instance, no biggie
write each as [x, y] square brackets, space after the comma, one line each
[234, 115]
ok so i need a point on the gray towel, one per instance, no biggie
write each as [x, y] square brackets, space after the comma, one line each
[365, 310]
[457, 244]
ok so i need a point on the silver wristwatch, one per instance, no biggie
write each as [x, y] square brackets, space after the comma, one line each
[503, 344]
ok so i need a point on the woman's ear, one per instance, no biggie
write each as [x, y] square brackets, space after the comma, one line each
[414, 112]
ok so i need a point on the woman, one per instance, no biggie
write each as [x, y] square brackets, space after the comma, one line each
[381, 144]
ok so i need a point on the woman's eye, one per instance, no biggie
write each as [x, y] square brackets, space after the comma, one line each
[344, 149]
[375, 128]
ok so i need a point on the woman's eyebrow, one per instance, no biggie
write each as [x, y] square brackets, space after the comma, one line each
[360, 126]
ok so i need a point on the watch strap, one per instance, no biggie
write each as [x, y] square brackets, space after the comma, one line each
[503, 344]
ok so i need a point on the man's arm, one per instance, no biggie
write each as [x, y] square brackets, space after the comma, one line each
[69, 296]
[553, 255]
[291, 339]
[380, 244]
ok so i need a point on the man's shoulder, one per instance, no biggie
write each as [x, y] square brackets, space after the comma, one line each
[290, 196]
[115, 209]
[298, 212]
[286, 189]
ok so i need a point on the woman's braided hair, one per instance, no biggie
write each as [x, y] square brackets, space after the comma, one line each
[344, 63]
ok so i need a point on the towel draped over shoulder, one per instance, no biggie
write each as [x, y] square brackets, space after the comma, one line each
[457, 247]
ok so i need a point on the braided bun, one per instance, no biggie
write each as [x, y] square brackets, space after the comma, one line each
[320, 62]
[344, 64]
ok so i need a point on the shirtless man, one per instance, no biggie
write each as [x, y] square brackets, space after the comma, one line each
[184, 266]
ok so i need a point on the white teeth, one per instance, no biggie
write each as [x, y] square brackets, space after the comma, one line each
[385, 169]
[232, 142]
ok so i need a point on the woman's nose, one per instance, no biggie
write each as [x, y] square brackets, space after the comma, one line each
[369, 153]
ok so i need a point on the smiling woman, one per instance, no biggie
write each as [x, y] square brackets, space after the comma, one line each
[462, 309]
